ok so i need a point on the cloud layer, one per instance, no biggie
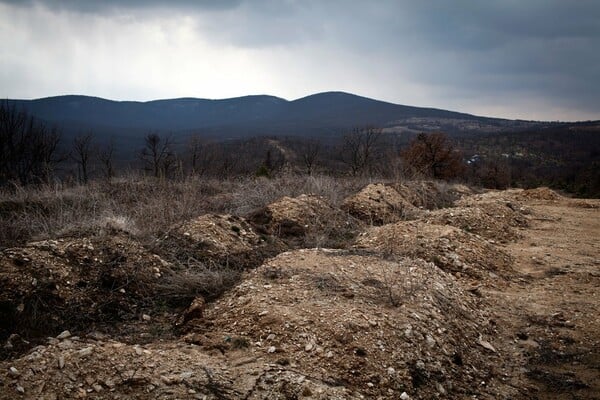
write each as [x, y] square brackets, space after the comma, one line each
[534, 60]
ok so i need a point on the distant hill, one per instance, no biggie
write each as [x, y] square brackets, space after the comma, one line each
[324, 115]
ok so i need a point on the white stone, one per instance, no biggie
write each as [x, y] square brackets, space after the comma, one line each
[86, 351]
[64, 335]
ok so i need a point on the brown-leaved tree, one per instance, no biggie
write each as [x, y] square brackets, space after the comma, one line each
[433, 155]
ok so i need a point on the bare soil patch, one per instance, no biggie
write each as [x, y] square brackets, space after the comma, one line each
[378, 204]
[451, 249]
[380, 327]
[551, 315]
[305, 221]
[220, 239]
[75, 283]
[431, 195]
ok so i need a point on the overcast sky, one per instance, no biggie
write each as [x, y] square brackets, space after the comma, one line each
[531, 59]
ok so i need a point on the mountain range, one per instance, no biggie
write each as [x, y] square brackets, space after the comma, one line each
[320, 115]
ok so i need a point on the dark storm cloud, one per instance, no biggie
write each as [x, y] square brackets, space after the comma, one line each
[541, 50]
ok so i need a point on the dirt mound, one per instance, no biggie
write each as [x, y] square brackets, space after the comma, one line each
[98, 367]
[450, 248]
[459, 190]
[429, 194]
[218, 239]
[541, 193]
[503, 208]
[489, 221]
[379, 328]
[48, 285]
[306, 220]
[379, 204]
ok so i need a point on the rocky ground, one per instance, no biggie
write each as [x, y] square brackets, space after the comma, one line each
[493, 297]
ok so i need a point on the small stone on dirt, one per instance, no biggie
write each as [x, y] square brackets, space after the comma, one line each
[64, 335]
[486, 345]
[86, 351]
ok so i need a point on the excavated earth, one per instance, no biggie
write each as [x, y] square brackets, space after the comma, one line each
[494, 297]
[379, 204]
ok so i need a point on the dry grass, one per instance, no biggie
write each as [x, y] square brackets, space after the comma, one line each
[146, 207]
[181, 287]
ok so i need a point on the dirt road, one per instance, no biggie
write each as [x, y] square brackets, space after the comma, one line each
[551, 314]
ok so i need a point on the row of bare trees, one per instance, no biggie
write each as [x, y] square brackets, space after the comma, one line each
[28, 148]
[30, 152]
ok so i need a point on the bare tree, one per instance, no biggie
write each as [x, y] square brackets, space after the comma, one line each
[28, 148]
[81, 153]
[434, 155]
[106, 157]
[492, 172]
[200, 155]
[157, 155]
[359, 149]
[310, 154]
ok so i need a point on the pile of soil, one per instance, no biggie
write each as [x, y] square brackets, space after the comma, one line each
[541, 193]
[414, 310]
[306, 220]
[219, 239]
[429, 194]
[378, 204]
[487, 221]
[377, 327]
[99, 367]
[504, 209]
[450, 248]
[75, 282]
[459, 190]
